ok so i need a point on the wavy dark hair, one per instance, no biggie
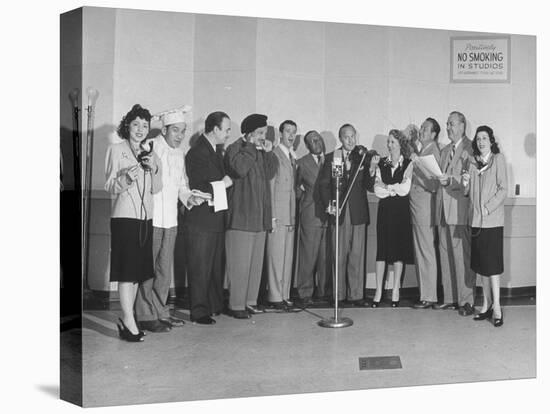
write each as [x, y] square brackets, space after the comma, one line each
[404, 142]
[137, 111]
[494, 146]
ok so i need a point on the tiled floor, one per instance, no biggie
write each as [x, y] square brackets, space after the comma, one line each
[287, 353]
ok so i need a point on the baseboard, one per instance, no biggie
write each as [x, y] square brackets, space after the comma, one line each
[105, 300]
[507, 293]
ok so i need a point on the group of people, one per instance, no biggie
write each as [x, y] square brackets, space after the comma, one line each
[254, 202]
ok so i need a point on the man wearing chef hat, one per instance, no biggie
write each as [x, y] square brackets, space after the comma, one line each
[152, 310]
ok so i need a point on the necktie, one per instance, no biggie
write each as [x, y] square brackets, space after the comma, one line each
[453, 149]
[347, 162]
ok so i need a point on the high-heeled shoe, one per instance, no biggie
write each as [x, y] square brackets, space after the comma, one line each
[499, 321]
[394, 303]
[483, 315]
[127, 335]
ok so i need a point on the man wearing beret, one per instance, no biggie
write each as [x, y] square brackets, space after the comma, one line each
[251, 164]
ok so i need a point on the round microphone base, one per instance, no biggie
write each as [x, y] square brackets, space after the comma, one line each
[335, 323]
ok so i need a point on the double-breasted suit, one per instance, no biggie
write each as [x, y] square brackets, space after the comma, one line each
[280, 241]
[422, 206]
[452, 214]
[313, 229]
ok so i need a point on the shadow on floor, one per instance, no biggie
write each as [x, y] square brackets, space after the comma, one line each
[52, 390]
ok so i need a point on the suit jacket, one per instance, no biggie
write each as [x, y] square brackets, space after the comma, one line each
[311, 209]
[283, 190]
[204, 165]
[450, 200]
[423, 190]
[358, 202]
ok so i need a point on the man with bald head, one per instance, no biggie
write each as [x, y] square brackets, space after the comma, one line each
[312, 266]
[354, 217]
[452, 210]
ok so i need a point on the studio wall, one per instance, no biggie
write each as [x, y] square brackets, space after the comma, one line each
[319, 74]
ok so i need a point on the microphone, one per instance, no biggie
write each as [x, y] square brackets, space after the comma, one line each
[337, 165]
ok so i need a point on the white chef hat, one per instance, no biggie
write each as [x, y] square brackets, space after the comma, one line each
[173, 116]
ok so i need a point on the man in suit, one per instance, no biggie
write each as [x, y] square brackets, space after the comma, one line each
[354, 217]
[204, 227]
[313, 223]
[422, 206]
[280, 240]
[452, 209]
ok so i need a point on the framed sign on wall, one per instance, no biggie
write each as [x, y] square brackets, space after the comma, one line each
[480, 59]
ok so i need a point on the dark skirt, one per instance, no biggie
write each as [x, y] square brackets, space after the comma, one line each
[487, 251]
[131, 250]
[394, 231]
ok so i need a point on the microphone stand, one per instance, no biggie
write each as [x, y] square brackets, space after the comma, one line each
[86, 194]
[348, 192]
[335, 321]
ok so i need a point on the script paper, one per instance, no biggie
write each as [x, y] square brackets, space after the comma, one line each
[220, 196]
[430, 165]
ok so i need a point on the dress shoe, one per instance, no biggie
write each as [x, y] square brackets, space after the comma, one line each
[443, 306]
[172, 322]
[360, 303]
[375, 304]
[204, 320]
[127, 335]
[255, 309]
[215, 314]
[499, 321]
[423, 304]
[280, 306]
[239, 314]
[483, 315]
[154, 326]
[466, 310]
[394, 303]
[307, 301]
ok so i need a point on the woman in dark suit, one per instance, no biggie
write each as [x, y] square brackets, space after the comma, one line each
[393, 222]
[486, 184]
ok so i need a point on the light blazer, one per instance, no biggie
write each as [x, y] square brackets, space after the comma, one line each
[488, 189]
[312, 213]
[423, 189]
[283, 191]
[450, 199]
